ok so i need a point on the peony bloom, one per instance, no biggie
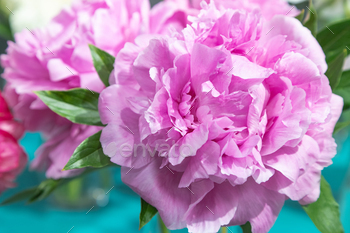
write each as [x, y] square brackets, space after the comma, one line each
[221, 123]
[57, 57]
[268, 8]
[12, 157]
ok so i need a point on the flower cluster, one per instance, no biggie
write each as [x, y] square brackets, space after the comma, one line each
[249, 100]
[57, 57]
[12, 157]
[217, 111]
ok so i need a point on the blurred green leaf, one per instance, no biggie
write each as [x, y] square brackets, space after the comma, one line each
[147, 213]
[340, 125]
[335, 68]
[163, 228]
[246, 228]
[88, 154]
[301, 16]
[21, 196]
[34, 194]
[311, 19]
[5, 29]
[335, 36]
[344, 80]
[345, 93]
[77, 105]
[103, 62]
[343, 88]
[44, 189]
[325, 211]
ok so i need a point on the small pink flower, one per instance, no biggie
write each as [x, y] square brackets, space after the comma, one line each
[12, 157]
[57, 57]
[220, 124]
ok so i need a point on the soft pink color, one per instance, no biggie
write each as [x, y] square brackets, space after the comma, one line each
[221, 123]
[268, 8]
[12, 157]
[57, 57]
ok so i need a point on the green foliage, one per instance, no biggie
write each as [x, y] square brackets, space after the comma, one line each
[311, 19]
[103, 62]
[335, 37]
[247, 228]
[88, 154]
[325, 211]
[77, 105]
[335, 68]
[147, 213]
[42, 191]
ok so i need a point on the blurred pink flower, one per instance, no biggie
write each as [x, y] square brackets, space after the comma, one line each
[12, 157]
[57, 57]
[221, 123]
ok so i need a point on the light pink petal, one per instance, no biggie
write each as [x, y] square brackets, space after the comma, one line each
[159, 187]
[295, 31]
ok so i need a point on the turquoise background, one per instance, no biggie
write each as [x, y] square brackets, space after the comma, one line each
[122, 211]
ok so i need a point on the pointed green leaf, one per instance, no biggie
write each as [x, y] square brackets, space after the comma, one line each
[88, 154]
[77, 105]
[335, 36]
[311, 19]
[44, 189]
[325, 211]
[246, 228]
[147, 213]
[103, 62]
[21, 196]
[335, 68]
[300, 17]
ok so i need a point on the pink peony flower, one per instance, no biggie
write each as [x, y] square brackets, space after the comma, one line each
[12, 157]
[221, 123]
[57, 57]
[268, 8]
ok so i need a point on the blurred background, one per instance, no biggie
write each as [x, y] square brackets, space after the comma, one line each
[104, 203]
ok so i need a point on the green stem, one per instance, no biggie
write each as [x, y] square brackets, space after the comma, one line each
[162, 226]
[224, 230]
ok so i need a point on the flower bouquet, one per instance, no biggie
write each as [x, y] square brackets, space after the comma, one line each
[217, 112]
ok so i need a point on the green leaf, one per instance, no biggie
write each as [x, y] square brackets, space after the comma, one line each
[325, 211]
[44, 189]
[162, 227]
[311, 19]
[147, 213]
[246, 228]
[345, 93]
[344, 80]
[301, 16]
[335, 68]
[88, 154]
[340, 125]
[5, 29]
[335, 37]
[343, 88]
[5, 32]
[21, 196]
[77, 105]
[103, 62]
